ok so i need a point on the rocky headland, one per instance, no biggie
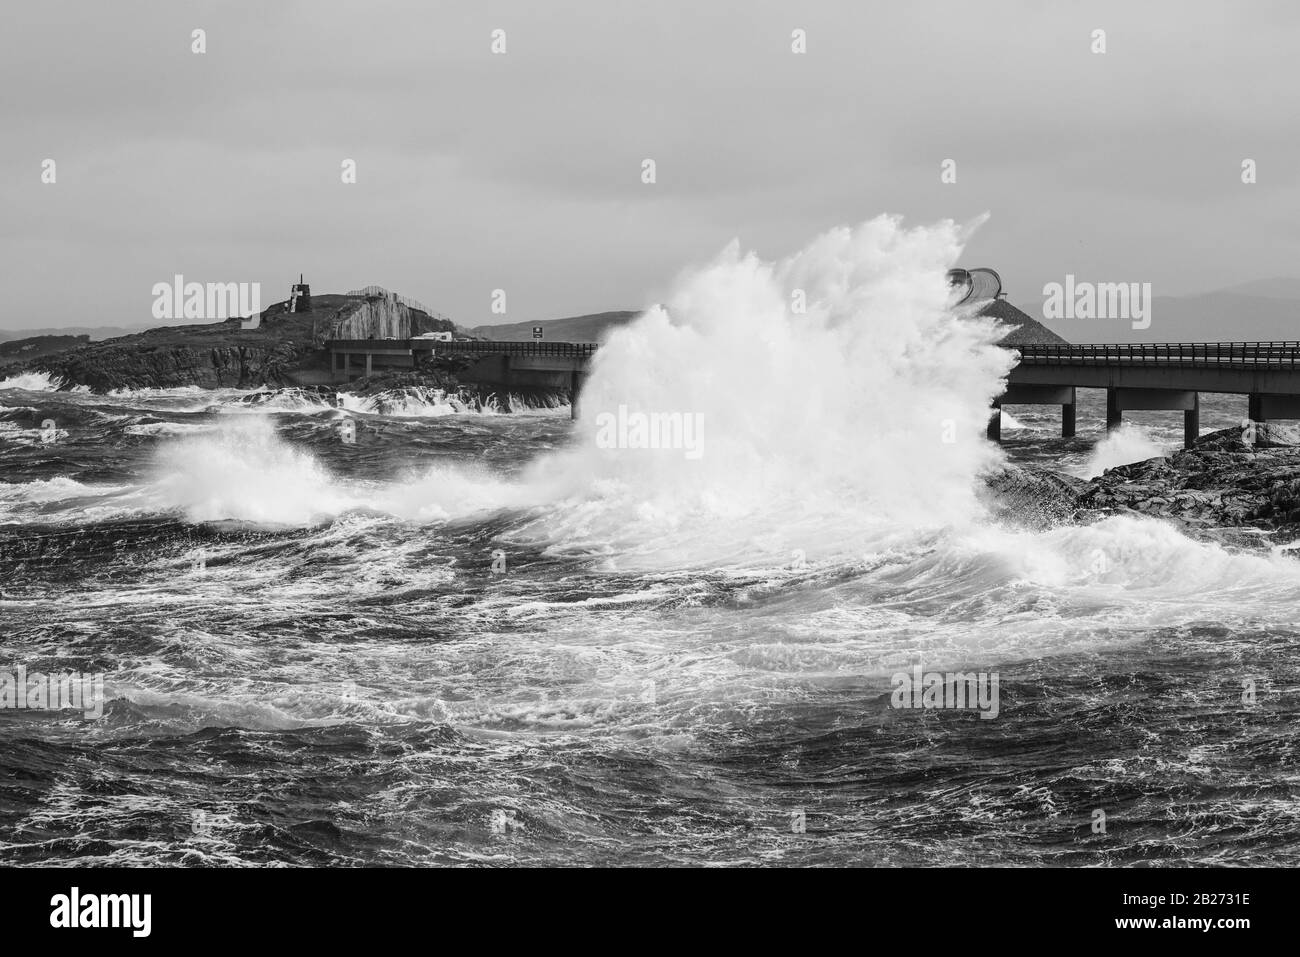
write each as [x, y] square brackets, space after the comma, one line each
[285, 349]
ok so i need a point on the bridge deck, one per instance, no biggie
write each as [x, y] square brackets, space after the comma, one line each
[1166, 355]
[564, 350]
[1164, 375]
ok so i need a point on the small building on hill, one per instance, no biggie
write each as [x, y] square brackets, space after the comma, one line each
[300, 296]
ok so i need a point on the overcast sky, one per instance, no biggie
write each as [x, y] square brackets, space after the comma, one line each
[523, 171]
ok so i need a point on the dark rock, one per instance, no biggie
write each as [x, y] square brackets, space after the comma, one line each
[1220, 484]
[1033, 497]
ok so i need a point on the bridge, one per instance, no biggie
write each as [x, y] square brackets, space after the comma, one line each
[1136, 376]
[1156, 376]
[528, 364]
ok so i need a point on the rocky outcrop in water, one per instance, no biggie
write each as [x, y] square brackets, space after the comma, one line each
[1234, 486]
[1033, 497]
[1222, 482]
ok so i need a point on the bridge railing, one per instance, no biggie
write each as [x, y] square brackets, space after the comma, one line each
[1198, 355]
[364, 345]
[567, 350]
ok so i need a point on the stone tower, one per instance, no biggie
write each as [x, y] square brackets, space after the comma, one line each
[300, 296]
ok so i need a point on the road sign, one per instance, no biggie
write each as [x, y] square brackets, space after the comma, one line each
[537, 332]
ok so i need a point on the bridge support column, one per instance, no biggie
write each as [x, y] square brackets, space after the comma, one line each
[1062, 395]
[369, 359]
[1114, 414]
[1192, 422]
[995, 422]
[576, 381]
[1067, 415]
[1162, 400]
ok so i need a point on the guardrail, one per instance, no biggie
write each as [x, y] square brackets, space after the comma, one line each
[538, 347]
[1189, 355]
[362, 345]
[567, 350]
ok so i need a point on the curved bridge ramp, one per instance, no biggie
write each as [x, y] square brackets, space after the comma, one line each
[974, 285]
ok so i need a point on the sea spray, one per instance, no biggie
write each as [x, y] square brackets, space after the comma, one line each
[1129, 443]
[243, 470]
[31, 382]
[862, 411]
[848, 419]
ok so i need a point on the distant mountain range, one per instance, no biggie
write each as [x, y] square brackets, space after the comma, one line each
[95, 332]
[1279, 287]
[1260, 310]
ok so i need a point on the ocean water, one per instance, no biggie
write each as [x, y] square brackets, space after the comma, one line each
[488, 639]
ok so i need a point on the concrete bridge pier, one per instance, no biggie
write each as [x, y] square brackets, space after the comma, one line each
[340, 366]
[1156, 400]
[577, 379]
[1114, 414]
[1062, 395]
[1192, 422]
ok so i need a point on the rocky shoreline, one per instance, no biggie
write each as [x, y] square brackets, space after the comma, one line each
[1236, 487]
[414, 393]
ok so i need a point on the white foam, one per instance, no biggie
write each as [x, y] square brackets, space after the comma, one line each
[863, 414]
[31, 382]
[1127, 444]
[413, 402]
[1010, 422]
[244, 471]
[166, 428]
